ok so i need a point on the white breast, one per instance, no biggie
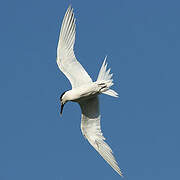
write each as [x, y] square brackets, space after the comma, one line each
[84, 92]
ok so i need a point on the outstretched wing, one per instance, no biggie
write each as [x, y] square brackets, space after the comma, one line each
[90, 126]
[66, 59]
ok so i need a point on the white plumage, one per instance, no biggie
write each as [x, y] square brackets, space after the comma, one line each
[84, 90]
[66, 59]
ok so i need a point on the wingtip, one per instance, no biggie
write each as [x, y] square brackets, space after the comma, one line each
[121, 175]
[70, 6]
[119, 172]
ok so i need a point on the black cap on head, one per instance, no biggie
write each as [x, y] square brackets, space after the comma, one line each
[62, 95]
[62, 105]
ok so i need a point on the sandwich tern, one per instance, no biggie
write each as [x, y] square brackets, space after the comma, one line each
[84, 91]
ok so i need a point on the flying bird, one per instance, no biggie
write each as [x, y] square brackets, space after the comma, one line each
[84, 91]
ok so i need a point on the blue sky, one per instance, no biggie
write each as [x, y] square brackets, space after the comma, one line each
[142, 41]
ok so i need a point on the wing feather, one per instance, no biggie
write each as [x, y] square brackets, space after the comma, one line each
[66, 59]
[91, 129]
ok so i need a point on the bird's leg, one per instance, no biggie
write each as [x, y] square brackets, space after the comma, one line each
[103, 87]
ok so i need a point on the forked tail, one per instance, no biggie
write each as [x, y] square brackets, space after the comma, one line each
[105, 77]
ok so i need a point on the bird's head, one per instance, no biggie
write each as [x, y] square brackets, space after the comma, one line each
[63, 100]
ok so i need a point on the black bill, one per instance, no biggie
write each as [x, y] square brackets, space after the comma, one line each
[62, 105]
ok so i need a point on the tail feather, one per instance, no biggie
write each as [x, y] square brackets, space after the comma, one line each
[105, 77]
[111, 92]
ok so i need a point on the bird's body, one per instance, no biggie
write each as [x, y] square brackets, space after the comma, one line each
[84, 91]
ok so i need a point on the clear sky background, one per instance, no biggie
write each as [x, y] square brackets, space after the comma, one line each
[142, 41]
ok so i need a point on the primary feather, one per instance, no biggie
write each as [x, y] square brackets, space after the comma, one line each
[66, 59]
[91, 129]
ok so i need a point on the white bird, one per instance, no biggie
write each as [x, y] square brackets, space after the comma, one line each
[84, 91]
